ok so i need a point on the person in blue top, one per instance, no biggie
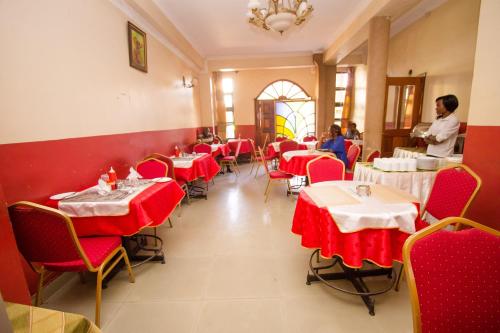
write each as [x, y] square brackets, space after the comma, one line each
[335, 143]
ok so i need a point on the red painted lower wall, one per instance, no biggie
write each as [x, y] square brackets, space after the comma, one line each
[35, 170]
[480, 154]
[245, 131]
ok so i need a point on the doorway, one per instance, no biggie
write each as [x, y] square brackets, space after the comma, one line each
[403, 110]
[284, 109]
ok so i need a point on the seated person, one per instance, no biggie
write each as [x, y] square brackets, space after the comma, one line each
[352, 132]
[335, 143]
[206, 137]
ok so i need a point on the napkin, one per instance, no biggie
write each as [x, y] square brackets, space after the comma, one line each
[103, 187]
[133, 175]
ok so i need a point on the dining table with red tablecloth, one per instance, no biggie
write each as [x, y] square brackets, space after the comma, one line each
[295, 161]
[201, 166]
[314, 223]
[273, 149]
[246, 146]
[150, 208]
[220, 149]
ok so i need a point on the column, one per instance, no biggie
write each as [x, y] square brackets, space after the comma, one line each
[378, 48]
[325, 94]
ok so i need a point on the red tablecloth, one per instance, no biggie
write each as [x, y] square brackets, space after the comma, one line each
[148, 209]
[223, 150]
[319, 230]
[204, 167]
[297, 165]
[245, 148]
[275, 154]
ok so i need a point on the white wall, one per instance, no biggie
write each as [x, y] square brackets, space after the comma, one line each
[65, 73]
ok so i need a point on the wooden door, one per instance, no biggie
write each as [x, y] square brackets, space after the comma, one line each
[264, 121]
[403, 110]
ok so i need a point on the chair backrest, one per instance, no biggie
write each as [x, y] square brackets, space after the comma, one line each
[238, 147]
[373, 155]
[151, 168]
[287, 146]
[254, 151]
[347, 144]
[325, 168]
[309, 138]
[453, 190]
[448, 275]
[167, 160]
[202, 148]
[352, 156]
[45, 234]
[281, 138]
[265, 141]
[263, 161]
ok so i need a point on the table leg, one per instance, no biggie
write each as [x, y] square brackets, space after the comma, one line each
[355, 276]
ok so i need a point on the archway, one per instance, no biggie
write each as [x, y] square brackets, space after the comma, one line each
[283, 108]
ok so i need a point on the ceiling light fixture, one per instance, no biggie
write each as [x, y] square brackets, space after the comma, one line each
[279, 14]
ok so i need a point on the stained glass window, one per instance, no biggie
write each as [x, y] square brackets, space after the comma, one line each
[295, 119]
[283, 90]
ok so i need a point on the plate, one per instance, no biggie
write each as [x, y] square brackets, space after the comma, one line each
[61, 196]
[161, 179]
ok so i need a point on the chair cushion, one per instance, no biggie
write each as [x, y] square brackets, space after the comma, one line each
[96, 249]
[228, 158]
[279, 175]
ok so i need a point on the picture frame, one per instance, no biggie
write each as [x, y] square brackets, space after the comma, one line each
[137, 48]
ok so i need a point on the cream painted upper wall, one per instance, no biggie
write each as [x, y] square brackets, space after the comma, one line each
[485, 96]
[249, 83]
[67, 75]
[441, 44]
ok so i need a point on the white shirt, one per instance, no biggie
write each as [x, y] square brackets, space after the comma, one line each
[446, 132]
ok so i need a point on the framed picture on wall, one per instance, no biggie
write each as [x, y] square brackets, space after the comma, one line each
[137, 48]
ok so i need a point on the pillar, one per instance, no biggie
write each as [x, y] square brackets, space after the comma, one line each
[325, 94]
[378, 49]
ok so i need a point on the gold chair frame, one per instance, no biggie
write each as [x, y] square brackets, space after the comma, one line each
[101, 270]
[410, 280]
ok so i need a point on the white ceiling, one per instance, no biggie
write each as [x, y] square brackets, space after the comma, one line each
[219, 28]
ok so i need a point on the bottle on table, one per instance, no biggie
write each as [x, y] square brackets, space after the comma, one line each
[112, 178]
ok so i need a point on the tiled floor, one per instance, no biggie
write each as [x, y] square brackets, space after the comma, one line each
[233, 265]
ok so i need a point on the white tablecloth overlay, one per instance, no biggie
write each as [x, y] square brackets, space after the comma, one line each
[292, 153]
[186, 164]
[400, 152]
[101, 208]
[309, 145]
[215, 146]
[355, 142]
[370, 212]
[417, 183]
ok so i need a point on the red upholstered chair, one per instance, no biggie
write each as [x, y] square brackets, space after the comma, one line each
[288, 145]
[352, 157]
[150, 168]
[325, 168]
[46, 236]
[447, 297]
[452, 193]
[258, 157]
[232, 160]
[202, 148]
[347, 144]
[274, 176]
[171, 171]
[309, 138]
[373, 155]
[281, 138]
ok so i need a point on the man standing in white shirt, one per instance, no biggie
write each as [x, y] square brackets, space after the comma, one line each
[444, 130]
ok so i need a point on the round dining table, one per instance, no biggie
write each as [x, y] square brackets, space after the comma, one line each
[245, 148]
[295, 161]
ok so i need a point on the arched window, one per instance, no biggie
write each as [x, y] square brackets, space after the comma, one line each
[295, 115]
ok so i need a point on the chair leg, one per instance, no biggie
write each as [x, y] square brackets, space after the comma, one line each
[131, 277]
[98, 296]
[401, 272]
[186, 189]
[82, 277]
[257, 170]
[236, 165]
[169, 223]
[38, 299]
[268, 190]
